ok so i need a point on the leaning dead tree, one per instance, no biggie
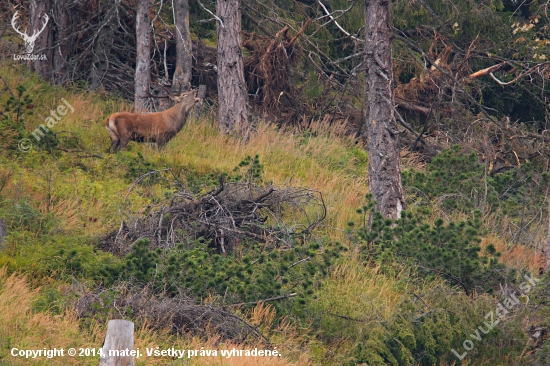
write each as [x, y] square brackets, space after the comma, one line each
[228, 215]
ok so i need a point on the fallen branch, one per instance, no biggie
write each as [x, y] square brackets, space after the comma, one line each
[489, 70]
[282, 297]
[80, 152]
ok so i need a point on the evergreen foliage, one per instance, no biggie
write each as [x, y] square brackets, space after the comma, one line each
[459, 182]
[249, 170]
[137, 167]
[450, 251]
[250, 274]
[540, 310]
[25, 217]
[394, 319]
[12, 121]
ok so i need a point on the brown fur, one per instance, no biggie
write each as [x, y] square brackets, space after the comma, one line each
[158, 127]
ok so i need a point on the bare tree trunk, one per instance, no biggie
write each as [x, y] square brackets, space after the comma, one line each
[183, 44]
[62, 42]
[143, 35]
[232, 93]
[384, 161]
[44, 42]
[102, 51]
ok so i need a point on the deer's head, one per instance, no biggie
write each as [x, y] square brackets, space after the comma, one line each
[188, 99]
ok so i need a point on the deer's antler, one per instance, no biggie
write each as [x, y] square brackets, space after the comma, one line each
[167, 95]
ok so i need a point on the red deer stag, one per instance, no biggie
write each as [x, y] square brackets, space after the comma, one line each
[157, 127]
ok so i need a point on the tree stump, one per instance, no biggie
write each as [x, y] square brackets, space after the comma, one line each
[119, 344]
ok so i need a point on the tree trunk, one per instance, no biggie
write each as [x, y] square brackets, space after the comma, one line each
[62, 42]
[102, 51]
[43, 43]
[383, 150]
[183, 45]
[232, 93]
[143, 75]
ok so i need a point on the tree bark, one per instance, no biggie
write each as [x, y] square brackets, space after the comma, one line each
[183, 45]
[143, 36]
[61, 41]
[102, 51]
[44, 42]
[382, 145]
[232, 93]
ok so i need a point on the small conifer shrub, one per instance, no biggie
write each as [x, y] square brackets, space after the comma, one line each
[12, 119]
[251, 274]
[460, 182]
[449, 250]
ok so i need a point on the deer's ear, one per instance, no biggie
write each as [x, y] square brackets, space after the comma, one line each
[198, 100]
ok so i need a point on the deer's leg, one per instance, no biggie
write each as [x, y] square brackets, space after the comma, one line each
[161, 141]
[123, 143]
[113, 135]
[114, 145]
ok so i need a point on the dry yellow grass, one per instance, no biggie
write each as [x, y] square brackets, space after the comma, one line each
[412, 160]
[23, 328]
[516, 255]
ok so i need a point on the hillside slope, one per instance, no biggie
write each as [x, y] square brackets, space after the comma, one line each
[362, 294]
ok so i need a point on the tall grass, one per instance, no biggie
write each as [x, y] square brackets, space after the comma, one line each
[23, 328]
[85, 191]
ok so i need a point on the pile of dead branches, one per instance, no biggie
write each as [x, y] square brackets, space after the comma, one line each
[226, 216]
[180, 314]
